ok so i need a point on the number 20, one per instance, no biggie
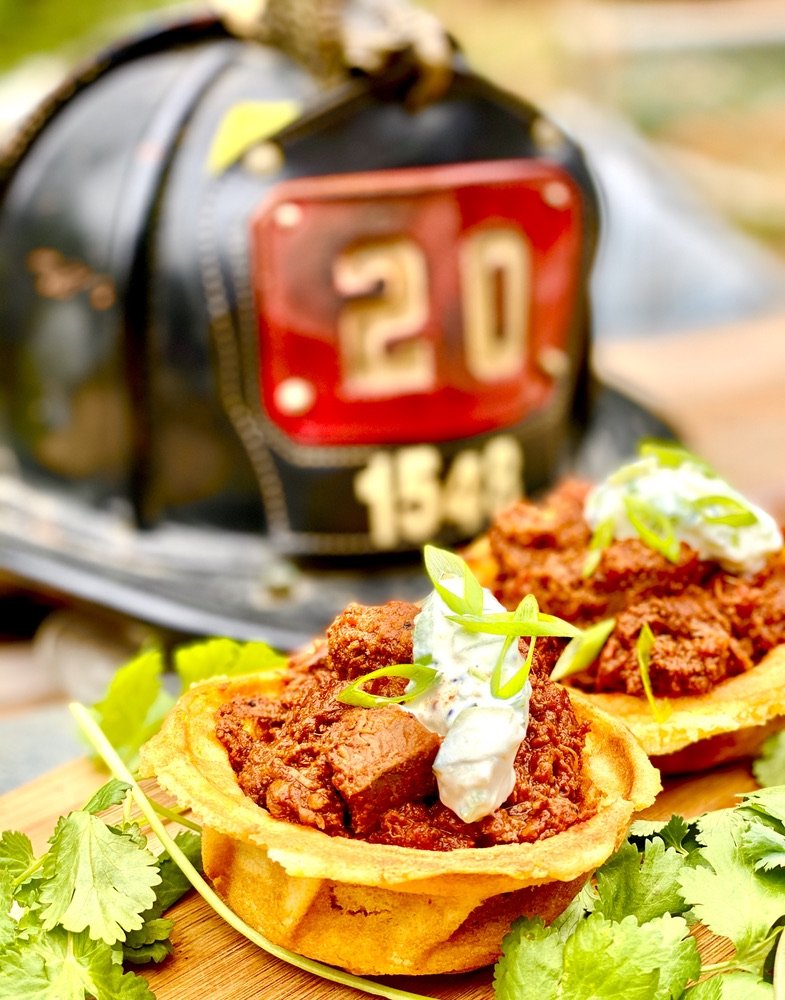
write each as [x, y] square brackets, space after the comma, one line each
[386, 287]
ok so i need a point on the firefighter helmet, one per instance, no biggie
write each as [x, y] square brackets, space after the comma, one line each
[255, 329]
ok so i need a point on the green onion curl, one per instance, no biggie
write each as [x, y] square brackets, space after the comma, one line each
[654, 528]
[527, 611]
[440, 563]
[505, 623]
[582, 650]
[600, 540]
[643, 647]
[422, 675]
[721, 509]
[670, 455]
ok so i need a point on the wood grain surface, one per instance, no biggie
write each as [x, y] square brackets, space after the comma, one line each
[212, 961]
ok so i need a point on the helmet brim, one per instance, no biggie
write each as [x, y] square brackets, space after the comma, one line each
[203, 581]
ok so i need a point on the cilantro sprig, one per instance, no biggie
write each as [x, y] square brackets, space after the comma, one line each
[194, 877]
[137, 701]
[94, 899]
[628, 933]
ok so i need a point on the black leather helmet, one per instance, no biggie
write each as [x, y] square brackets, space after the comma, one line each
[255, 329]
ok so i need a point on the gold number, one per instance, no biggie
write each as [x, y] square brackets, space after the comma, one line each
[462, 501]
[502, 472]
[408, 502]
[418, 489]
[373, 487]
[495, 269]
[386, 283]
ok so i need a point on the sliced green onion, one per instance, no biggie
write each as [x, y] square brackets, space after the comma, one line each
[721, 509]
[643, 647]
[583, 650]
[439, 563]
[628, 473]
[422, 675]
[505, 623]
[600, 540]
[671, 455]
[527, 611]
[654, 528]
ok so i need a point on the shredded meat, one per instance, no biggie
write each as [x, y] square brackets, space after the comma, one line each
[367, 773]
[708, 624]
[693, 649]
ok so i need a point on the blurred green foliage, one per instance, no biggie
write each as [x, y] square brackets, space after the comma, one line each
[31, 27]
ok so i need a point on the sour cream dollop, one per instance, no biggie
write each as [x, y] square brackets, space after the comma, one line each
[481, 733]
[672, 491]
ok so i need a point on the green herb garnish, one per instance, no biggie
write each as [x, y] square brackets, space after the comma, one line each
[670, 455]
[643, 647]
[439, 563]
[722, 509]
[629, 935]
[527, 611]
[600, 540]
[92, 901]
[506, 623]
[104, 749]
[422, 675]
[136, 701]
[654, 528]
[582, 650]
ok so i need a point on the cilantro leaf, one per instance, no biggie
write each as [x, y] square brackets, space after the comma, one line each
[61, 966]
[113, 793]
[96, 878]
[155, 952]
[764, 846]
[653, 961]
[16, 853]
[134, 705]
[766, 803]
[676, 833]
[650, 961]
[219, 657]
[151, 931]
[769, 767]
[7, 922]
[531, 964]
[642, 885]
[731, 986]
[173, 883]
[758, 898]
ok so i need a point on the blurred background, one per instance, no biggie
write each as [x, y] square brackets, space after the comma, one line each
[701, 80]
[680, 107]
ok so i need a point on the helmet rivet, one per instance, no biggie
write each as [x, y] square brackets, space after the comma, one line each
[556, 194]
[263, 159]
[553, 361]
[547, 135]
[288, 215]
[294, 396]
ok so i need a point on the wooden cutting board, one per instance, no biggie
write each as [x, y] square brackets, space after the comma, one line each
[213, 962]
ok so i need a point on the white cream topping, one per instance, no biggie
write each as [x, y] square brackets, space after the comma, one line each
[672, 491]
[481, 733]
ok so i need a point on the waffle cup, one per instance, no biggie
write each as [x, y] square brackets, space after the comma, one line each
[694, 732]
[378, 909]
